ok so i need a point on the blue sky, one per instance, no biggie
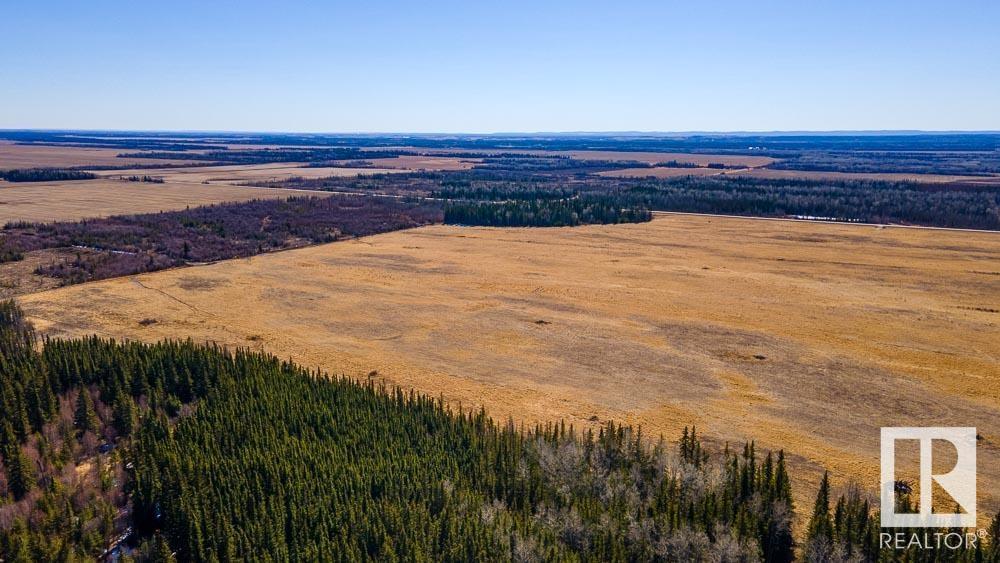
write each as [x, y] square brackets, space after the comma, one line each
[500, 66]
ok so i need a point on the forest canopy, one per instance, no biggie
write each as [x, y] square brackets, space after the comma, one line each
[178, 451]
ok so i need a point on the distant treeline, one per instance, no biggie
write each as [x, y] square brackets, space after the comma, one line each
[703, 143]
[267, 156]
[130, 244]
[553, 164]
[852, 200]
[44, 175]
[713, 165]
[961, 163]
[875, 201]
[498, 191]
[544, 213]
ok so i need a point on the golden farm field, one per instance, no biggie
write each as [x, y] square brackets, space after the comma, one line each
[44, 156]
[75, 200]
[800, 335]
[236, 174]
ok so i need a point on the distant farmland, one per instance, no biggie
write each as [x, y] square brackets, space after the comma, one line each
[238, 174]
[802, 336]
[72, 201]
[45, 156]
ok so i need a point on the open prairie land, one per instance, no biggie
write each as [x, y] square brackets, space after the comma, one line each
[44, 156]
[805, 336]
[244, 173]
[72, 201]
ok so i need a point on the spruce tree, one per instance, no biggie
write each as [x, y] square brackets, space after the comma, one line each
[125, 417]
[820, 525]
[20, 474]
[85, 419]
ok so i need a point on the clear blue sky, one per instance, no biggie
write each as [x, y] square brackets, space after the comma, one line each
[473, 66]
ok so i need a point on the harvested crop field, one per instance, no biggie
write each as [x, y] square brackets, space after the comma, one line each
[801, 335]
[236, 174]
[44, 156]
[75, 200]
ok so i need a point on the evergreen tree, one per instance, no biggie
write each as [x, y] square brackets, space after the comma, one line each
[20, 474]
[85, 419]
[125, 417]
[820, 526]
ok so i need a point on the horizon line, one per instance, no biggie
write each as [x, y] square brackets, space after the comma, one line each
[632, 133]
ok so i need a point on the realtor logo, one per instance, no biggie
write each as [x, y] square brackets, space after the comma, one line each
[960, 482]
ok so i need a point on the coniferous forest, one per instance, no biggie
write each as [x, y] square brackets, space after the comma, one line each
[178, 451]
[44, 175]
[545, 213]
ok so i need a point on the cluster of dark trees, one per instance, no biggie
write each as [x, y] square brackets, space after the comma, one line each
[129, 244]
[544, 212]
[176, 451]
[678, 164]
[44, 175]
[500, 191]
[847, 200]
[149, 179]
[964, 163]
[874, 201]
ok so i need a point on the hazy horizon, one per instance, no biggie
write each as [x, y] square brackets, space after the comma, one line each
[623, 133]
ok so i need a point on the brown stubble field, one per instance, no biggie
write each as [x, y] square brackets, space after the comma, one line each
[800, 335]
[45, 156]
[241, 174]
[82, 199]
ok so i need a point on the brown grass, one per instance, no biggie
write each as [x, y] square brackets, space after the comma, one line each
[18, 278]
[31, 156]
[801, 335]
[243, 173]
[72, 201]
